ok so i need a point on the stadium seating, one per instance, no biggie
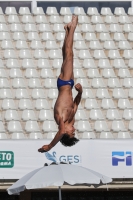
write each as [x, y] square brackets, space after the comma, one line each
[31, 59]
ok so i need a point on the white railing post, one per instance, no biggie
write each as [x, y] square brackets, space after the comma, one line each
[33, 5]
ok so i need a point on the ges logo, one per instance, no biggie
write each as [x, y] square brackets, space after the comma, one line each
[63, 158]
[121, 156]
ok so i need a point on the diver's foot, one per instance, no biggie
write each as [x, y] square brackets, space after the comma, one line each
[74, 20]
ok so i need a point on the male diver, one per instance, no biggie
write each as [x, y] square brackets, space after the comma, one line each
[65, 107]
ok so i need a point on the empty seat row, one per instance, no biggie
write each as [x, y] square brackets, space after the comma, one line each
[36, 93]
[57, 53]
[82, 126]
[66, 11]
[44, 27]
[50, 135]
[95, 19]
[42, 103]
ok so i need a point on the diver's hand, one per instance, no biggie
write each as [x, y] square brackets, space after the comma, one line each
[44, 148]
[78, 87]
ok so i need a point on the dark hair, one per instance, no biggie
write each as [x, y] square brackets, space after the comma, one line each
[67, 141]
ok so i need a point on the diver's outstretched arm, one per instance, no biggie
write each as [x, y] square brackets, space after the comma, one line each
[56, 139]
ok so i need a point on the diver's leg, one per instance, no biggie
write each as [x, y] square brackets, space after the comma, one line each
[67, 66]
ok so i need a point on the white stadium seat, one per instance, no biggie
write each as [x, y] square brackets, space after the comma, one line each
[37, 135]
[119, 63]
[28, 115]
[119, 11]
[38, 93]
[123, 19]
[3, 73]
[118, 93]
[7, 44]
[103, 62]
[52, 93]
[25, 104]
[130, 11]
[88, 135]
[6, 94]
[117, 126]
[106, 135]
[45, 115]
[14, 126]
[83, 126]
[81, 115]
[104, 37]
[96, 114]
[124, 103]
[18, 36]
[49, 126]
[90, 36]
[102, 93]
[13, 19]
[24, 11]
[31, 73]
[85, 28]
[113, 83]
[101, 126]
[27, 19]
[127, 28]
[43, 63]
[12, 63]
[93, 73]
[21, 44]
[9, 53]
[113, 114]
[55, 19]
[128, 114]
[124, 135]
[3, 136]
[39, 53]
[106, 11]
[79, 11]
[11, 115]
[42, 104]
[27, 63]
[38, 11]
[24, 53]
[65, 11]
[8, 104]
[96, 19]
[34, 83]
[49, 36]
[32, 126]
[87, 93]
[110, 19]
[99, 28]
[36, 44]
[89, 63]
[92, 11]
[108, 73]
[14, 28]
[91, 104]
[10, 11]
[51, 11]
[67, 18]
[18, 83]
[107, 104]
[5, 36]
[83, 19]
[30, 27]
[44, 28]
[18, 136]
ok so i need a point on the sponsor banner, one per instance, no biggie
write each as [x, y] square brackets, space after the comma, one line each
[113, 158]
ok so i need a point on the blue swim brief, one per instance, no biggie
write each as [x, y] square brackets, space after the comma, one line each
[62, 83]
